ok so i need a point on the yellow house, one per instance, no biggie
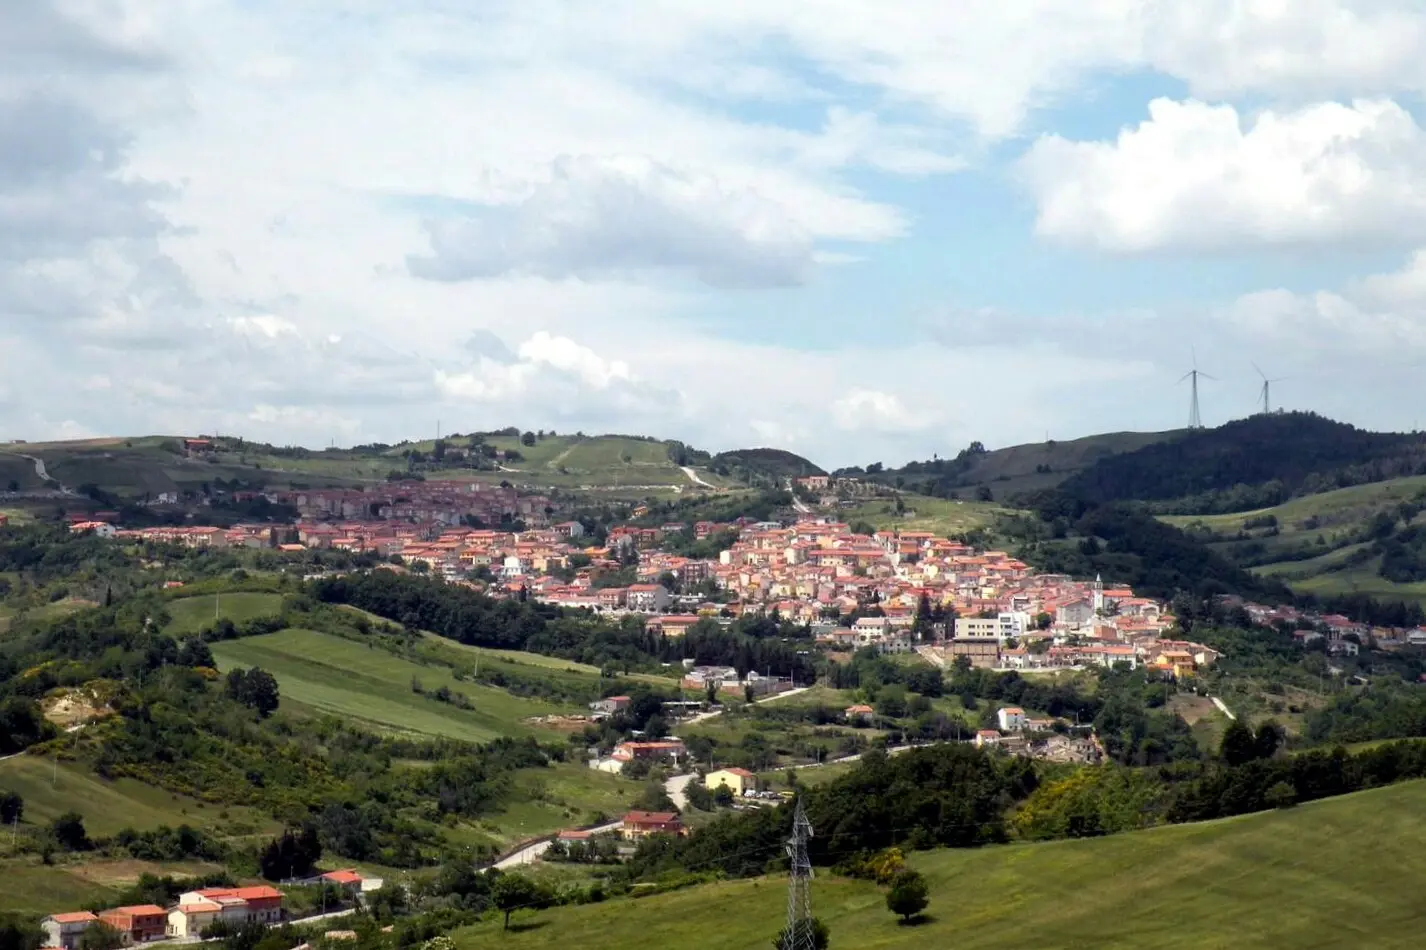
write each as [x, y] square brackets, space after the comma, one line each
[1179, 661]
[737, 780]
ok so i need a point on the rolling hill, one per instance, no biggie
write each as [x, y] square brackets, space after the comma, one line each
[1339, 873]
[1017, 469]
[131, 468]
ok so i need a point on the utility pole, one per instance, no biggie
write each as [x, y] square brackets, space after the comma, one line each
[798, 935]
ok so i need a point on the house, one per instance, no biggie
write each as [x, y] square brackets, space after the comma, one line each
[569, 529]
[664, 749]
[859, 714]
[191, 920]
[138, 923]
[1011, 718]
[646, 598]
[736, 779]
[642, 824]
[985, 737]
[260, 904]
[64, 930]
[197, 447]
[610, 705]
[347, 879]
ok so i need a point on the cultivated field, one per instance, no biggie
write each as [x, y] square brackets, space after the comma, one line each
[191, 614]
[332, 675]
[1334, 874]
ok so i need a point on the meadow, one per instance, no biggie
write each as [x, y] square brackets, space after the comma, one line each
[331, 675]
[111, 805]
[945, 517]
[1339, 873]
[189, 615]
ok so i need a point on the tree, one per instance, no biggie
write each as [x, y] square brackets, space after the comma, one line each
[293, 855]
[908, 895]
[100, 936]
[18, 934]
[12, 807]
[1280, 795]
[527, 439]
[787, 939]
[513, 891]
[256, 688]
[68, 831]
[1239, 745]
[1269, 739]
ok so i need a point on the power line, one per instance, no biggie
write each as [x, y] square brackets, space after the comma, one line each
[799, 935]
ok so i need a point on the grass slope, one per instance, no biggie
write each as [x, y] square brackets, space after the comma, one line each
[1037, 465]
[945, 517]
[1339, 873]
[191, 614]
[108, 806]
[342, 677]
[34, 890]
[1338, 518]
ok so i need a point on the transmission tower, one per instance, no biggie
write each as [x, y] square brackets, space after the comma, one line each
[798, 935]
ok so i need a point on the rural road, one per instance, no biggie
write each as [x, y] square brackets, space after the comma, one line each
[719, 711]
[693, 476]
[40, 470]
[1222, 707]
[798, 504]
[675, 786]
[531, 853]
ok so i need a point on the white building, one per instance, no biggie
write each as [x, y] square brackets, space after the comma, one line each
[1011, 718]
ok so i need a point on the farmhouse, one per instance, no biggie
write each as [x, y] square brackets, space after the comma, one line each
[641, 824]
[735, 779]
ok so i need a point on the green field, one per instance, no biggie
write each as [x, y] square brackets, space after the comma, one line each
[192, 614]
[34, 890]
[332, 675]
[18, 474]
[1335, 874]
[108, 806]
[942, 516]
[1329, 524]
[565, 795]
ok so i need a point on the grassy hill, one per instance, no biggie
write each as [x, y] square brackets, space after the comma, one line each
[108, 806]
[191, 614]
[332, 675]
[131, 468]
[1337, 873]
[1317, 543]
[1018, 469]
[762, 466]
[944, 516]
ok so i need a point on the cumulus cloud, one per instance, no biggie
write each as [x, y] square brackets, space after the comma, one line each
[596, 217]
[1198, 176]
[1379, 317]
[871, 409]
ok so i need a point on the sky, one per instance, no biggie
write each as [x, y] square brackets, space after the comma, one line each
[861, 230]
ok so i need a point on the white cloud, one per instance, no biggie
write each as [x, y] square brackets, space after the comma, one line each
[1381, 318]
[872, 410]
[598, 216]
[1196, 176]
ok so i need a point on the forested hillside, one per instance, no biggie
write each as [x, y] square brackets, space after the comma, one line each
[1250, 463]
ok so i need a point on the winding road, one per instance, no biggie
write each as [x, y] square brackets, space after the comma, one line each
[693, 477]
[531, 852]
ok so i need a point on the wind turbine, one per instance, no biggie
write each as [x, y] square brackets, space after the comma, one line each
[1266, 392]
[1194, 421]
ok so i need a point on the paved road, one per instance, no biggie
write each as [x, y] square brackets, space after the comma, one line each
[531, 853]
[700, 717]
[1222, 707]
